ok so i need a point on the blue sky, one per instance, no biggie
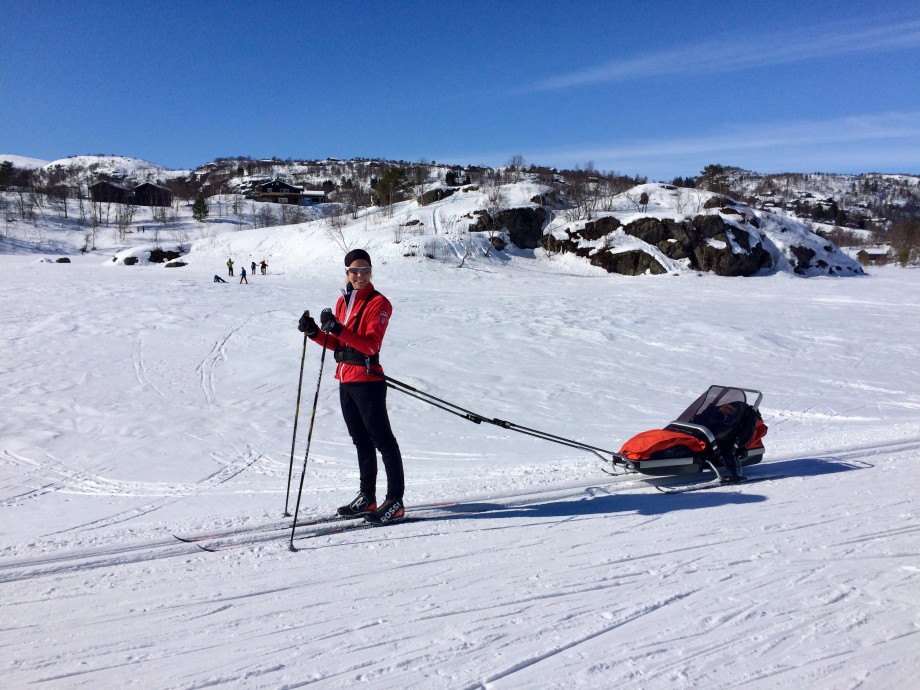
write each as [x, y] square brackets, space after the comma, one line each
[644, 88]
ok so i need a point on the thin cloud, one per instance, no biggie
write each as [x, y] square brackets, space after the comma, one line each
[885, 142]
[897, 127]
[735, 55]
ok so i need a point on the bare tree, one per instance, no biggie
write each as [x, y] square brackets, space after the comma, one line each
[418, 179]
[356, 196]
[81, 205]
[124, 215]
[467, 244]
[238, 208]
[57, 199]
[95, 220]
[905, 240]
[336, 233]
[496, 200]
[681, 200]
[285, 214]
[4, 212]
[297, 215]
[37, 200]
[515, 166]
[582, 193]
[24, 205]
[265, 217]
[635, 198]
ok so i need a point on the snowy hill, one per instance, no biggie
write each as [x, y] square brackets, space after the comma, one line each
[450, 212]
[869, 201]
[113, 167]
[680, 229]
[23, 162]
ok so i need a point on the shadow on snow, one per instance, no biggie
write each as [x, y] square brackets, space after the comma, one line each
[601, 500]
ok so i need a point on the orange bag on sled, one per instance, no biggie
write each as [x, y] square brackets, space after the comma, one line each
[721, 426]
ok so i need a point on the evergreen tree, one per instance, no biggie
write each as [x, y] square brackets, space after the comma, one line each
[6, 174]
[392, 186]
[200, 209]
[714, 178]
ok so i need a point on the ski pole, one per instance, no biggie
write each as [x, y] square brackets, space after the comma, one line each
[306, 455]
[287, 495]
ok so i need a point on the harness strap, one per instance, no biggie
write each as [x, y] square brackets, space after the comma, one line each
[470, 416]
[345, 354]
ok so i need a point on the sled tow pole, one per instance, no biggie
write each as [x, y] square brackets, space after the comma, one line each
[479, 419]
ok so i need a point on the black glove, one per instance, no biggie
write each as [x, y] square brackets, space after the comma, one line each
[329, 323]
[307, 325]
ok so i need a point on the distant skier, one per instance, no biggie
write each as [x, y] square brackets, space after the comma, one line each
[264, 267]
[230, 266]
[243, 276]
[218, 279]
[355, 333]
[253, 267]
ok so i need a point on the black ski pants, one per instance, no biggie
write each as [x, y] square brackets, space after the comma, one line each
[364, 407]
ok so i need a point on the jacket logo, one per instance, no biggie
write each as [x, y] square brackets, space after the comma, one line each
[383, 317]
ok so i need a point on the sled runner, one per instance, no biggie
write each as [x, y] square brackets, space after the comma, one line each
[722, 430]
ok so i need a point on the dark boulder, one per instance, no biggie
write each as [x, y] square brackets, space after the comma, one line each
[803, 257]
[433, 195]
[718, 201]
[654, 231]
[596, 229]
[570, 246]
[524, 225]
[158, 256]
[631, 263]
[710, 227]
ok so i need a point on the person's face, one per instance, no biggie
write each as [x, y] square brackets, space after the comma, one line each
[359, 273]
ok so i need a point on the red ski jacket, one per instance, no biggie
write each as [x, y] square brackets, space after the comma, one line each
[365, 336]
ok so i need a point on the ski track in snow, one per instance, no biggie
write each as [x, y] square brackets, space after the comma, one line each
[532, 569]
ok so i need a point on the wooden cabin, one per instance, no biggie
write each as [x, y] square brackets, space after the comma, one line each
[149, 194]
[110, 192]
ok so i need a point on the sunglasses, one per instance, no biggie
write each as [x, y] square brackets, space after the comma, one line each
[359, 270]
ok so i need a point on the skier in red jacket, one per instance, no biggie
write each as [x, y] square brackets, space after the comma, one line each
[355, 334]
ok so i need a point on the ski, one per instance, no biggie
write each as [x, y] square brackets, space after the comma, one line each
[355, 526]
[324, 519]
[715, 484]
[323, 530]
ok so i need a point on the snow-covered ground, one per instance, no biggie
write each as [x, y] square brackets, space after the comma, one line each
[140, 402]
